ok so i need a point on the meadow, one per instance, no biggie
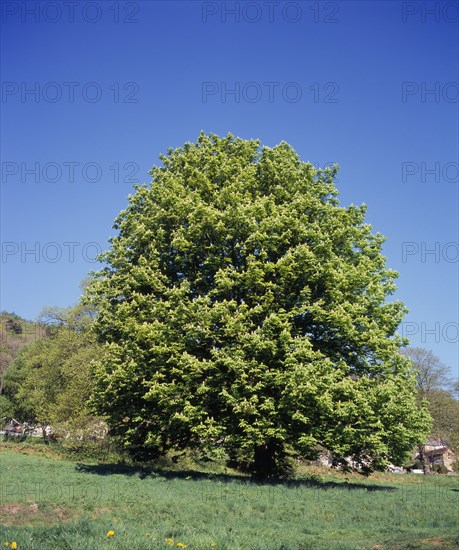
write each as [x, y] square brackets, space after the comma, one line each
[47, 502]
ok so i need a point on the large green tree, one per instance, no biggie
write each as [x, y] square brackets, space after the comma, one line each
[240, 305]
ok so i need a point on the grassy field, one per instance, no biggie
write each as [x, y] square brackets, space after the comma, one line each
[51, 503]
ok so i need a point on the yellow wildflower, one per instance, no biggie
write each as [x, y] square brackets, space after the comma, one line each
[170, 542]
[110, 533]
[14, 545]
[181, 545]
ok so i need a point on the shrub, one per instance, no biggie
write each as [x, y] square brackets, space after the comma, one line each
[440, 469]
[6, 408]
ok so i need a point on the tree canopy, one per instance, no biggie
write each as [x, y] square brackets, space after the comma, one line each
[431, 373]
[240, 305]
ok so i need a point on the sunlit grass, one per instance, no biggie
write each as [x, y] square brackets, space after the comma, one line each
[49, 503]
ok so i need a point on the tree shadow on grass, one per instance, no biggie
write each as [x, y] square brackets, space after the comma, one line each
[143, 472]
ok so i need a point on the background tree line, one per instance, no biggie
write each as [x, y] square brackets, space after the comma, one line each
[45, 375]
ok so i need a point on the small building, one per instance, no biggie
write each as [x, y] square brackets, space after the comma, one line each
[13, 428]
[438, 453]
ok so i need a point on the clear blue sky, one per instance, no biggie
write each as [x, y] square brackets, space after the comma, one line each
[91, 94]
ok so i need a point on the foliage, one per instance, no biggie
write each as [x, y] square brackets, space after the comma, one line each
[435, 386]
[444, 410]
[14, 326]
[6, 409]
[15, 333]
[49, 380]
[440, 469]
[100, 450]
[241, 306]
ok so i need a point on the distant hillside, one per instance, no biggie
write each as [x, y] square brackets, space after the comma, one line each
[16, 331]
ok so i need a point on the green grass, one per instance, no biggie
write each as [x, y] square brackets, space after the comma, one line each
[50, 503]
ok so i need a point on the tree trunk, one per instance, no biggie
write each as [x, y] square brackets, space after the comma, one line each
[264, 460]
[424, 461]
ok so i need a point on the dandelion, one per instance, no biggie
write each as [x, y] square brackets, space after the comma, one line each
[170, 542]
[110, 533]
[181, 545]
[14, 545]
